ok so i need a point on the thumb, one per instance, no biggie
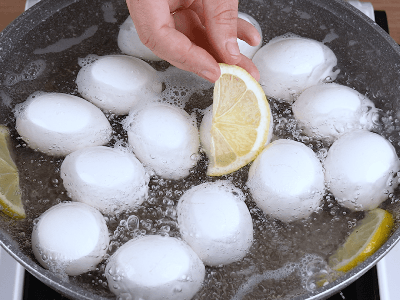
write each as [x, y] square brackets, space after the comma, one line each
[220, 20]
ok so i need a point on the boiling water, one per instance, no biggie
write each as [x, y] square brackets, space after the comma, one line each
[285, 260]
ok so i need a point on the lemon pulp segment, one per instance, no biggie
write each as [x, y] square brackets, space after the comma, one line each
[240, 123]
[10, 193]
[367, 237]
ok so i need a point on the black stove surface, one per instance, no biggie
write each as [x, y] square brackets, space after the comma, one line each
[365, 288]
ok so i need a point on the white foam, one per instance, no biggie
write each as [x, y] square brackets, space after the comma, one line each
[181, 85]
[164, 138]
[214, 220]
[71, 238]
[289, 64]
[106, 178]
[360, 168]
[327, 111]
[58, 124]
[287, 181]
[116, 83]
[155, 267]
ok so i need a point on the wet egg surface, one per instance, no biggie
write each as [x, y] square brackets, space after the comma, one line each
[58, 124]
[327, 111]
[214, 220]
[155, 267]
[115, 83]
[70, 238]
[289, 64]
[109, 179]
[361, 169]
[287, 180]
[164, 138]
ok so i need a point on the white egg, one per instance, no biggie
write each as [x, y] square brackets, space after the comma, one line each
[245, 48]
[164, 138]
[116, 83]
[129, 42]
[289, 64]
[58, 124]
[327, 111]
[214, 220]
[205, 130]
[287, 181]
[70, 238]
[361, 169]
[155, 267]
[108, 179]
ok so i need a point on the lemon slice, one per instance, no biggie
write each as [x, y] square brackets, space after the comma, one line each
[10, 193]
[366, 238]
[241, 121]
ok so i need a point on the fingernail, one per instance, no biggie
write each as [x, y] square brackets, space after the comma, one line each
[233, 48]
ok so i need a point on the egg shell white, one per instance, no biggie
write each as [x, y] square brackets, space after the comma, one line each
[108, 179]
[129, 42]
[155, 267]
[72, 237]
[58, 124]
[287, 181]
[164, 138]
[327, 111]
[360, 168]
[116, 83]
[214, 220]
[245, 48]
[289, 64]
[206, 125]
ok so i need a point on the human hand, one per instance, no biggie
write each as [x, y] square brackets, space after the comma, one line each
[194, 35]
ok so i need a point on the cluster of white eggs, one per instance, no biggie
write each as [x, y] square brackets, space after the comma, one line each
[72, 238]
[287, 180]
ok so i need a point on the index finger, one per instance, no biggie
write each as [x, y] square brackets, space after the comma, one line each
[155, 27]
[220, 17]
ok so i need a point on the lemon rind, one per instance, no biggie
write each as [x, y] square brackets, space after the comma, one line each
[375, 241]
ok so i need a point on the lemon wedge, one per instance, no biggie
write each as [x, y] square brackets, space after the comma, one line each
[241, 121]
[366, 238]
[10, 193]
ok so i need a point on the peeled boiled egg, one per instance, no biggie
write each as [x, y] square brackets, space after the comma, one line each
[58, 124]
[327, 111]
[129, 42]
[245, 48]
[116, 83]
[109, 179]
[360, 169]
[70, 238]
[214, 220]
[289, 64]
[155, 267]
[164, 138]
[287, 181]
